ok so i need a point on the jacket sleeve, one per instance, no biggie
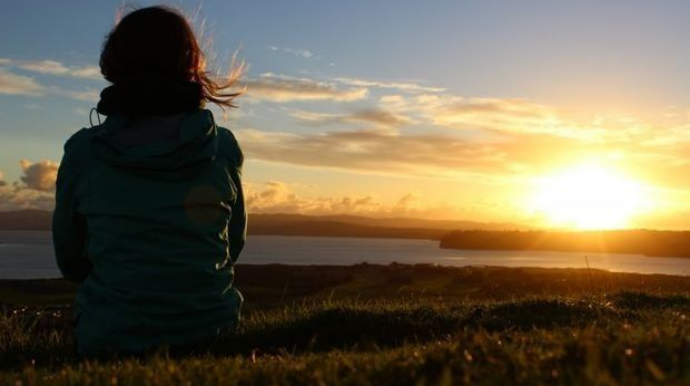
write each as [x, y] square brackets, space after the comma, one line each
[69, 226]
[237, 228]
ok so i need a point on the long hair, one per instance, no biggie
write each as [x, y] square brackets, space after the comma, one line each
[159, 42]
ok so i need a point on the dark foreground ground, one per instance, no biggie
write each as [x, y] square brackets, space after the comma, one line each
[387, 325]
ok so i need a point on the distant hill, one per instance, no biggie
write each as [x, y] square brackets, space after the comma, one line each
[26, 220]
[316, 227]
[644, 242]
[262, 220]
[302, 225]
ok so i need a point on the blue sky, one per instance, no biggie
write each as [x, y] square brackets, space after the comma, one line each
[431, 109]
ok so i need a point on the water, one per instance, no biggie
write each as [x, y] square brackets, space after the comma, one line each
[25, 255]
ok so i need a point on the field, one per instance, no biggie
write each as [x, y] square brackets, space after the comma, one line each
[387, 325]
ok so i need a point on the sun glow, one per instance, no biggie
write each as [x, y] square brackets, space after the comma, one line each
[589, 197]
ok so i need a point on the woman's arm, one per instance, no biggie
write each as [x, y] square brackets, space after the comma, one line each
[69, 226]
[237, 229]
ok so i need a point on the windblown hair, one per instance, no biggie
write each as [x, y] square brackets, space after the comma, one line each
[159, 42]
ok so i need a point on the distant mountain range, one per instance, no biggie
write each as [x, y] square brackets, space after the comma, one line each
[303, 225]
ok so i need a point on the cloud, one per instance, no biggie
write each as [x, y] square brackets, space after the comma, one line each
[84, 95]
[15, 197]
[475, 159]
[36, 189]
[280, 197]
[367, 151]
[408, 202]
[39, 175]
[433, 107]
[374, 116]
[53, 67]
[403, 86]
[511, 116]
[14, 84]
[88, 72]
[503, 115]
[277, 88]
[297, 52]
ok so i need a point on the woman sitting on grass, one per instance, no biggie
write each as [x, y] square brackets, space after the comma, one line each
[149, 214]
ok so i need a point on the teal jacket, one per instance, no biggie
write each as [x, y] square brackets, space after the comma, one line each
[150, 219]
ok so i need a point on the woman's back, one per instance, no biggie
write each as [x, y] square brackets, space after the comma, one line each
[149, 210]
[162, 219]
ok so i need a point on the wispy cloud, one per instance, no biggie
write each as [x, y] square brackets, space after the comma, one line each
[293, 51]
[14, 84]
[53, 67]
[89, 95]
[403, 86]
[278, 88]
[416, 104]
[508, 158]
[88, 72]
[509, 116]
[367, 151]
[375, 116]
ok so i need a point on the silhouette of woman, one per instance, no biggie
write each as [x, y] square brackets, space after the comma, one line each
[149, 214]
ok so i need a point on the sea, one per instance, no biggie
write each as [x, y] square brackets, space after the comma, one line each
[29, 255]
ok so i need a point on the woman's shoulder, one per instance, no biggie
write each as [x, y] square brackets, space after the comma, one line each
[82, 137]
[77, 148]
[229, 146]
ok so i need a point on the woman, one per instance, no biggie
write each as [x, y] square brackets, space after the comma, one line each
[149, 214]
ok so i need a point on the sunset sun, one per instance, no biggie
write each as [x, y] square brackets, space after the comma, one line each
[589, 197]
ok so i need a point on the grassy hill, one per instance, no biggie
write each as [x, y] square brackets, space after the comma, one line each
[387, 325]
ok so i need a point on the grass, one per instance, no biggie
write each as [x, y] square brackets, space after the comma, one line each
[390, 325]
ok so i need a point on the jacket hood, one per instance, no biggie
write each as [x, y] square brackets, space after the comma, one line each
[165, 147]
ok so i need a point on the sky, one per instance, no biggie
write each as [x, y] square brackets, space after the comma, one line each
[541, 113]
